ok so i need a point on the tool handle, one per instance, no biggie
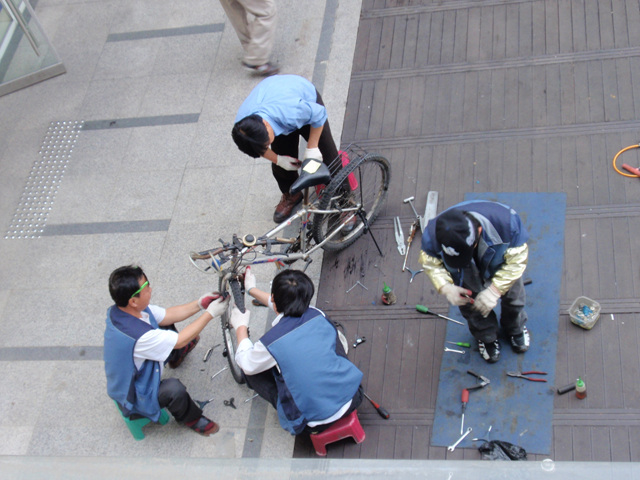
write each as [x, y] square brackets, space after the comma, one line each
[631, 169]
[465, 395]
[423, 309]
[566, 388]
[381, 410]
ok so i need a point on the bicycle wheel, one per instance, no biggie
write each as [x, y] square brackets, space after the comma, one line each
[364, 181]
[228, 333]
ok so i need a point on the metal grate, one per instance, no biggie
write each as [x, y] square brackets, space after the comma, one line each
[43, 181]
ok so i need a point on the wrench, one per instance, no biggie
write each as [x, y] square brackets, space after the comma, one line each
[447, 349]
[451, 448]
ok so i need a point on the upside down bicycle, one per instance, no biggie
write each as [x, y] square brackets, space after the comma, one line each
[340, 202]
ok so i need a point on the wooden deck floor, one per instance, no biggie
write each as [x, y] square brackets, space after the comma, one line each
[500, 96]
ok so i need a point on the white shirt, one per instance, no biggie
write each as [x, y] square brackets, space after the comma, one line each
[254, 358]
[157, 344]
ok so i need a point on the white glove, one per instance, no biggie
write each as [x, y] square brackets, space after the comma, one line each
[205, 300]
[313, 153]
[288, 163]
[218, 307]
[249, 280]
[239, 319]
[455, 294]
[486, 300]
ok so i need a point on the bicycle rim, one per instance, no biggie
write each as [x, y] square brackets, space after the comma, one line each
[228, 333]
[372, 174]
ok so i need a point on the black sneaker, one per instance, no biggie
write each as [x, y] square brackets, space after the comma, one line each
[489, 351]
[520, 343]
[265, 70]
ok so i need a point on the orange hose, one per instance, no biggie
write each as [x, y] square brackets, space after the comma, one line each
[616, 158]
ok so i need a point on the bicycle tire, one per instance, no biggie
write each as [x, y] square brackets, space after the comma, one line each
[373, 173]
[228, 332]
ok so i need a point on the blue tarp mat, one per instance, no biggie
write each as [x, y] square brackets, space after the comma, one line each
[519, 411]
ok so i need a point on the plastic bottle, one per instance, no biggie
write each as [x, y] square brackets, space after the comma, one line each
[388, 297]
[581, 389]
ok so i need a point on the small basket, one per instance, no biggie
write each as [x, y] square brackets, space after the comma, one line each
[584, 312]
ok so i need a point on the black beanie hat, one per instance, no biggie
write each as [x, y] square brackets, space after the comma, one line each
[456, 234]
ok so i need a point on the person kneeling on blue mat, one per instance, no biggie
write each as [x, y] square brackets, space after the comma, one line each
[475, 254]
[299, 365]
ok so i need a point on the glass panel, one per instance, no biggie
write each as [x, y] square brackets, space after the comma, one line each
[26, 55]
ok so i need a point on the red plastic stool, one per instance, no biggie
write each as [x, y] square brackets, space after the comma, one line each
[345, 427]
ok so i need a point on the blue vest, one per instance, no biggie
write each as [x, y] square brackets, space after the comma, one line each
[502, 229]
[313, 381]
[135, 390]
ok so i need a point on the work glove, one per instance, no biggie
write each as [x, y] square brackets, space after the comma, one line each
[487, 300]
[218, 307]
[455, 294]
[239, 319]
[288, 163]
[206, 299]
[313, 153]
[249, 280]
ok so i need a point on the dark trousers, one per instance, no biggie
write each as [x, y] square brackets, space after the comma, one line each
[264, 385]
[512, 318]
[173, 395]
[288, 145]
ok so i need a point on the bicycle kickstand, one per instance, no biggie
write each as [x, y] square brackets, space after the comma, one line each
[307, 262]
[367, 229]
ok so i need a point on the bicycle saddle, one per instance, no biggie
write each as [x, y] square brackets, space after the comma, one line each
[313, 172]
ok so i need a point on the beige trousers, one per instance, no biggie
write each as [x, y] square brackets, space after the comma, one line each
[255, 23]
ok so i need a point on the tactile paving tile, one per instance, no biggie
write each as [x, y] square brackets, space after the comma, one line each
[43, 181]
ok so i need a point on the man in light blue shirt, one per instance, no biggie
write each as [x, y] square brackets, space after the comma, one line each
[269, 124]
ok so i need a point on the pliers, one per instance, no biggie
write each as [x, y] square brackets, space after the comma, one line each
[522, 375]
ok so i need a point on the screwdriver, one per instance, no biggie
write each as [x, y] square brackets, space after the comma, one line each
[423, 309]
[465, 400]
[381, 411]
[460, 344]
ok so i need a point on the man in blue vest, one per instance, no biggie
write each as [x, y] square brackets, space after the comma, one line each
[139, 338]
[475, 254]
[299, 365]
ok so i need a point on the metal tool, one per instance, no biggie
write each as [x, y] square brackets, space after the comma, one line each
[381, 410]
[482, 381]
[251, 398]
[358, 341]
[423, 309]
[460, 344]
[533, 372]
[447, 349]
[413, 273]
[354, 286]
[399, 235]
[202, 403]
[208, 354]
[412, 230]
[451, 448]
[229, 403]
[430, 209]
[218, 372]
[410, 202]
[465, 400]
[487, 435]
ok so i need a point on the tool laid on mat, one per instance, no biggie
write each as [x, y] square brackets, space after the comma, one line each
[230, 403]
[423, 309]
[399, 235]
[381, 411]
[203, 403]
[459, 344]
[447, 349]
[465, 400]
[451, 448]
[523, 375]
[482, 382]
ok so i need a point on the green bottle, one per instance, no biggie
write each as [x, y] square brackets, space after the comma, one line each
[388, 297]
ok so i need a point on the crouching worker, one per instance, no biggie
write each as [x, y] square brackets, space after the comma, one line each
[299, 365]
[139, 338]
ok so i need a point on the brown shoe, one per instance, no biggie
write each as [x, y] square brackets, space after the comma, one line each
[285, 207]
[178, 356]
